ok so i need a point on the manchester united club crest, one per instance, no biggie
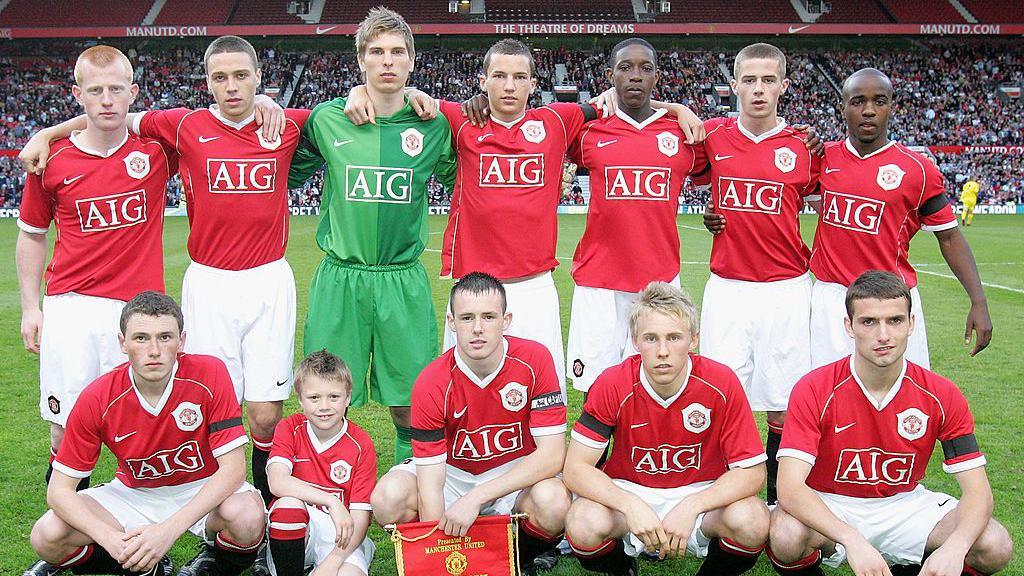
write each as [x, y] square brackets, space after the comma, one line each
[341, 471]
[668, 144]
[456, 563]
[137, 165]
[785, 159]
[268, 144]
[412, 141]
[889, 177]
[696, 418]
[911, 423]
[513, 396]
[533, 131]
[188, 416]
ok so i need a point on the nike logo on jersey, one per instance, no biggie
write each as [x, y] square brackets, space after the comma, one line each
[123, 436]
[640, 425]
[71, 180]
[484, 137]
[205, 139]
[719, 157]
[459, 413]
[841, 428]
[831, 170]
[603, 143]
[340, 143]
[297, 459]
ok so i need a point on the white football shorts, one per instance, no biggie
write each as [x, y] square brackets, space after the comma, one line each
[247, 319]
[458, 483]
[662, 501]
[320, 537]
[762, 331]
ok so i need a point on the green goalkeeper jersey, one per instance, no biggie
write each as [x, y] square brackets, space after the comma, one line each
[373, 209]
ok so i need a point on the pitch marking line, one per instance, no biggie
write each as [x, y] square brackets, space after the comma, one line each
[568, 259]
[985, 284]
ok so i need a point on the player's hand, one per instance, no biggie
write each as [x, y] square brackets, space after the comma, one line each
[423, 105]
[359, 107]
[460, 516]
[678, 525]
[864, 560]
[713, 221]
[607, 101]
[270, 116]
[978, 321]
[813, 141]
[31, 329]
[344, 526]
[642, 521]
[35, 153]
[477, 109]
[113, 543]
[944, 561]
[146, 545]
[691, 125]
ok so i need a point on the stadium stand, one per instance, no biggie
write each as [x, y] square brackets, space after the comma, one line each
[995, 12]
[178, 12]
[262, 12]
[562, 10]
[923, 11]
[71, 13]
[867, 12]
[414, 11]
[715, 11]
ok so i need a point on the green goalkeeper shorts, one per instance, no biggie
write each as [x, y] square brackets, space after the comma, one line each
[379, 319]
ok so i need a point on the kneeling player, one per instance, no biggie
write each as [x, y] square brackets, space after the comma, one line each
[686, 460]
[488, 430]
[858, 439]
[173, 423]
[322, 468]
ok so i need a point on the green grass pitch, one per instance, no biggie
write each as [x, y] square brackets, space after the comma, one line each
[992, 381]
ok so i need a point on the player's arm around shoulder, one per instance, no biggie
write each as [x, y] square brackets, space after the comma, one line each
[309, 156]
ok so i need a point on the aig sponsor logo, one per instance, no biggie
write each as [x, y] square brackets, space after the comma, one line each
[637, 182]
[240, 176]
[749, 195]
[381, 184]
[874, 466]
[852, 212]
[111, 212]
[184, 458]
[511, 170]
[487, 442]
[666, 458]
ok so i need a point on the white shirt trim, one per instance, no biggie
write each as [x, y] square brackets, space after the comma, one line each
[758, 138]
[322, 447]
[749, 462]
[136, 124]
[875, 153]
[658, 113]
[481, 382]
[280, 460]
[107, 154]
[587, 441]
[508, 125]
[222, 450]
[431, 460]
[794, 453]
[154, 410]
[360, 506]
[665, 402]
[215, 110]
[31, 229]
[892, 391]
[941, 227]
[548, 430]
[948, 468]
[68, 471]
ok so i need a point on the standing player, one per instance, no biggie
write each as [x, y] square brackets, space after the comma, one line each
[638, 163]
[373, 226]
[757, 301]
[969, 199]
[104, 190]
[875, 195]
[686, 461]
[322, 469]
[861, 431]
[488, 430]
[175, 428]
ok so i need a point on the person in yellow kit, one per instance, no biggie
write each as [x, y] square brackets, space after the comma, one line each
[969, 197]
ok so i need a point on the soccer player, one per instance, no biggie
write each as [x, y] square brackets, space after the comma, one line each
[686, 460]
[104, 191]
[969, 198]
[488, 430]
[859, 436]
[172, 422]
[322, 469]
[638, 161]
[370, 300]
[875, 195]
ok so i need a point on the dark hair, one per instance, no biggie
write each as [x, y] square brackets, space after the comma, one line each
[150, 303]
[879, 285]
[228, 45]
[510, 47]
[478, 283]
[323, 364]
[631, 42]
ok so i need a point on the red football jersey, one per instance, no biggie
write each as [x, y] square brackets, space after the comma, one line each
[859, 448]
[178, 441]
[695, 436]
[870, 209]
[759, 183]
[503, 218]
[345, 465]
[637, 171]
[478, 424]
[236, 183]
[109, 214]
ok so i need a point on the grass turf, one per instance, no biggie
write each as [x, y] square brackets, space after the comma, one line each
[992, 381]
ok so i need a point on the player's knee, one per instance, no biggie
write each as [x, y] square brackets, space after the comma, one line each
[56, 436]
[394, 499]
[263, 420]
[788, 538]
[588, 523]
[747, 521]
[549, 505]
[48, 533]
[401, 415]
[993, 550]
[287, 502]
[243, 516]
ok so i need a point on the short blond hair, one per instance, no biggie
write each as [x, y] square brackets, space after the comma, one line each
[324, 365]
[102, 56]
[760, 50]
[381, 20]
[664, 298]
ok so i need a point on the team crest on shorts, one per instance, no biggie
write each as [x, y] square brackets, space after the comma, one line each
[577, 368]
[889, 176]
[341, 471]
[785, 159]
[533, 131]
[188, 416]
[268, 144]
[137, 165]
[513, 396]
[668, 143]
[696, 417]
[412, 141]
[53, 404]
[911, 423]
